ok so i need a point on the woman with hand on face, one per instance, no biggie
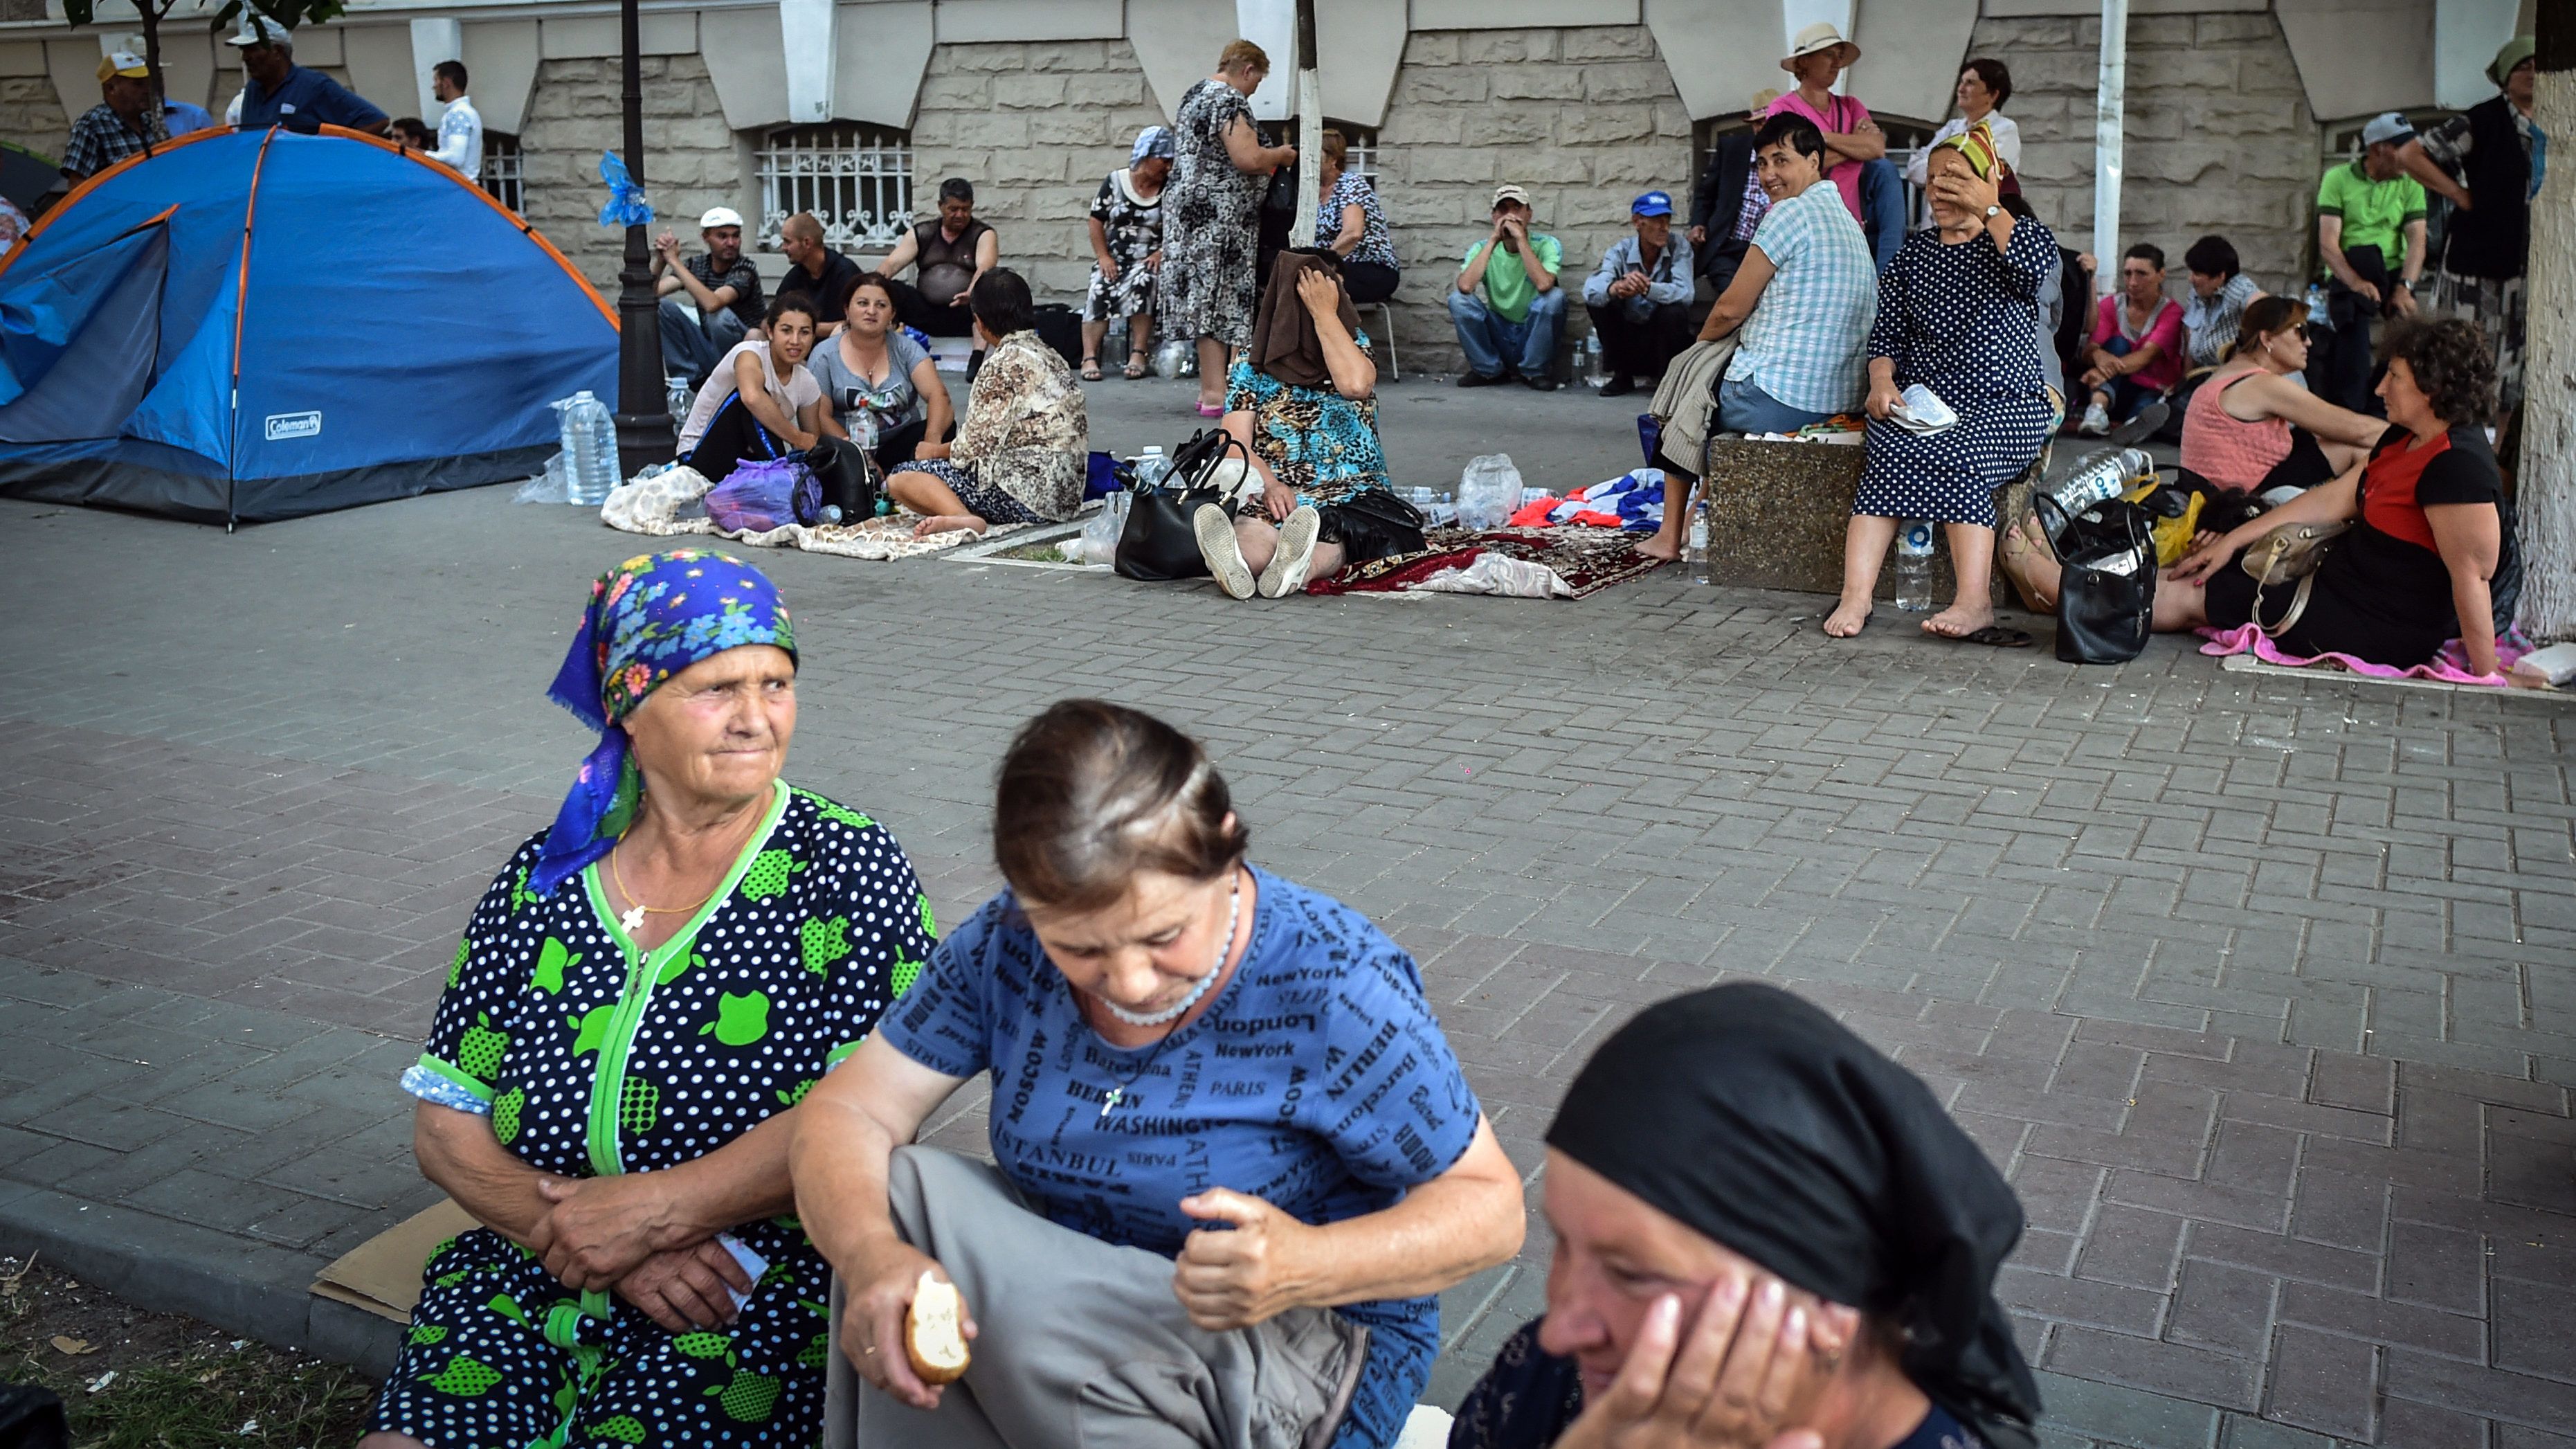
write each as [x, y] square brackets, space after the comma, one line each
[1768, 1236]
[648, 988]
[2428, 531]
[1233, 1157]
[881, 390]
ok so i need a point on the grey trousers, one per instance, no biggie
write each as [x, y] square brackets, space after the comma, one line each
[1083, 1344]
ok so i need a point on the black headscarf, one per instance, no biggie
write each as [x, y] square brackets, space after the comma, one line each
[1756, 1119]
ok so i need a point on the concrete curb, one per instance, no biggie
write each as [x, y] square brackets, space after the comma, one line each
[254, 1289]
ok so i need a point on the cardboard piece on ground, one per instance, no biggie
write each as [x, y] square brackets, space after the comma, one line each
[382, 1274]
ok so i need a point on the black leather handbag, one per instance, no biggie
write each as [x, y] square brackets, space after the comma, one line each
[1374, 524]
[2106, 589]
[1160, 543]
[846, 478]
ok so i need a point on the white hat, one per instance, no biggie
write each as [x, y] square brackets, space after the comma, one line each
[2388, 126]
[258, 29]
[121, 62]
[719, 216]
[1820, 36]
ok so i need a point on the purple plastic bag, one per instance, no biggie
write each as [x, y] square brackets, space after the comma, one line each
[758, 495]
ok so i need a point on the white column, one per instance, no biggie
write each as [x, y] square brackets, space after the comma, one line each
[2108, 116]
[431, 42]
[805, 32]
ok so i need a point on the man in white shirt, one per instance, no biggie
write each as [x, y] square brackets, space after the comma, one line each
[460, 130]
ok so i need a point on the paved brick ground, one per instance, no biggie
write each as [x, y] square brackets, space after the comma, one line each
[2260, 990]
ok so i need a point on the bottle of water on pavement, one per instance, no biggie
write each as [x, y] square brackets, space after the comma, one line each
[2100, 474]
[590, 450]
[1914, 565]
[1695, 549]
[1592, 373]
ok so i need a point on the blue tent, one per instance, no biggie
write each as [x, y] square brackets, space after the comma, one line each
[247, 326]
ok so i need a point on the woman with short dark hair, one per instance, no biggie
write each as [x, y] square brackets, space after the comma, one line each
[1023, 447]
[1984, 86]
[2427, 529]
[761, 401]
[1233, 1157]
[2220, 292]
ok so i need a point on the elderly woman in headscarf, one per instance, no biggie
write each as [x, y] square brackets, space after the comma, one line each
[1958, 316]
[1302, 402]
[1767, 1234]
[647, 989]
[1127, 252]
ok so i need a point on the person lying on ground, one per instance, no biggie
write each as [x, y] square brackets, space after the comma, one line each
[2135, 356]
[1639, 297]
[1801, 308]
[646, 991]
[2426, 539]
[1955, 314]
[949, 254]
[1022, 450]
[881, 390]
[721, 284]
[1303, 402]
[2251, 427]
[761, 401]
[1768, 1236]
[1126, 228]
[1234, 1159]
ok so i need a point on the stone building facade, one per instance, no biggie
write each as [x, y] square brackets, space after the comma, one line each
[2232, 105]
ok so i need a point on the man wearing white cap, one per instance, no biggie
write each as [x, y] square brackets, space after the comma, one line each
[1513, 328]
[2370, 213]
[123, 123]
[278, 92]
[723, 284]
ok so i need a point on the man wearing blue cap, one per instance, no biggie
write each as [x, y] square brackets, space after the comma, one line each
[1640, 295]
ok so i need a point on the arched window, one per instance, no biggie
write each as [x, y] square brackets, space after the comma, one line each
[501, 170]
[857, 180]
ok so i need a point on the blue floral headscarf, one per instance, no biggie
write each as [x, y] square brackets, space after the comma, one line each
[649, 618]
[1152, 141]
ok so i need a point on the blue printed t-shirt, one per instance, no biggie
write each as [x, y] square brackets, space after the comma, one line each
[1318, 1082]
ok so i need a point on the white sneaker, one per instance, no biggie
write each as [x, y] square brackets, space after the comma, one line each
[1287, 571]
[2097, 422]
[1224, 555]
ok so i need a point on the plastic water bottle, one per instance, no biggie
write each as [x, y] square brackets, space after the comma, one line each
[2100, 474]
[830, 515]
[1914, 566]
[1592, 370]
[1151, 466]
[1695, 550]
[2317, 315]
[679, 397]
[590, 450]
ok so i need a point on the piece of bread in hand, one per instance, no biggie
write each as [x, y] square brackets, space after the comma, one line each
[934, 1331]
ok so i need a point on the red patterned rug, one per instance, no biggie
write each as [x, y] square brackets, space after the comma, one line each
[1587, 559]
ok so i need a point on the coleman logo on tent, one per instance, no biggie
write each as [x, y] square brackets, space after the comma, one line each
[294, 425]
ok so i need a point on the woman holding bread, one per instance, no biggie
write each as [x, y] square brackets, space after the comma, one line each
[1234, 1156]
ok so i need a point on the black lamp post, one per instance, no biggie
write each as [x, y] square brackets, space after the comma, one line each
[644, 432]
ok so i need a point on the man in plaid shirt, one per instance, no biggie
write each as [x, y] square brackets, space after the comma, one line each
[125, 122]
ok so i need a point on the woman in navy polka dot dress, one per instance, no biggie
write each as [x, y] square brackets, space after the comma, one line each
[1958, 312]
[643, 993]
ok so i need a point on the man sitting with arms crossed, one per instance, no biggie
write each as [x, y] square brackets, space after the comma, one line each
[724, 285]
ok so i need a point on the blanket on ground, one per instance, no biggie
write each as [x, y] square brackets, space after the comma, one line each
[654, 504]
[1524, 563]
[2449, 666]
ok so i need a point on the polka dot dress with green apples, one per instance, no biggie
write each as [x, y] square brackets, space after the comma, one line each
[592, 1058]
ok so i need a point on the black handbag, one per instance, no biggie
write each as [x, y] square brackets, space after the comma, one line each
[1160, 543]
[2106, 589]
[846, 478]
[1374, 524]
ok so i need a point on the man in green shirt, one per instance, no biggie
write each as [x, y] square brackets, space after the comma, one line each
[1514, 326]
[2369, 211]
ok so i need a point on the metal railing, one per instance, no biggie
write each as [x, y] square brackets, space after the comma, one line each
[857, 180]
[501, 177]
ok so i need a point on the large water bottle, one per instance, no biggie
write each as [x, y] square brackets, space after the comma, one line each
[1914, 565]
[2100, 474]
[590, 450]
[1593, 371]
[1151, 466]
[1695, 548]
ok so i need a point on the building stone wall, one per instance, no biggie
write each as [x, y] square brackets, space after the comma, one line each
[32, 115]
[2219, 135]
[1036, 126]
[1585, 118]
[691, 160]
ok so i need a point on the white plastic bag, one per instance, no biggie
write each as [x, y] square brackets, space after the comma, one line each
[551, 486]
[1488, 491]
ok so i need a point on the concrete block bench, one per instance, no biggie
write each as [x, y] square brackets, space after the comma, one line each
[1777, 511]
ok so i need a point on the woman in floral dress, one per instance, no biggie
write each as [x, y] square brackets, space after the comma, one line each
[1022, 451]
[647, 989]
[1212, 215]
[1127, 252]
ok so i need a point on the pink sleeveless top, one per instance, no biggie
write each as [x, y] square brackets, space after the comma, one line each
[2228, 451]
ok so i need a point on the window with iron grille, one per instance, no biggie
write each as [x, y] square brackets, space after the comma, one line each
[1362, 142]
[501, 170]
[857, 180]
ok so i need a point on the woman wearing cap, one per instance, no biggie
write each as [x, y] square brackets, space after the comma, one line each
[1212, 219]
[2486, 162]
[1958, 314]
[649, 987]
[1127, 252]
[1767, 1234]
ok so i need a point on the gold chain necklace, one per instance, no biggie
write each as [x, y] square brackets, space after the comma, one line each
[633, 920]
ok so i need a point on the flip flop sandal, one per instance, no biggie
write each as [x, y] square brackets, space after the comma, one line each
[1137, 366]
[1091, 369]
[1994, 636]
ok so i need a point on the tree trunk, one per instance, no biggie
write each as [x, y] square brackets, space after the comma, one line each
[151, 13]
[2547, 481]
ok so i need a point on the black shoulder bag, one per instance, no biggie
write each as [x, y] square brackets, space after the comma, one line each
[2106, 588]
[1159, 543]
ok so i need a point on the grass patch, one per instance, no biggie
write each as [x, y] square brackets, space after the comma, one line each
[178, 1383]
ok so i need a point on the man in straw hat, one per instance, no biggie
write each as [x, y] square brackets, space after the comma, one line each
[2483, 161]
[1855, 149]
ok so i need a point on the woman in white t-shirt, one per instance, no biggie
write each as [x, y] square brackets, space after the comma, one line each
[1984, 86]
[760, 402]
